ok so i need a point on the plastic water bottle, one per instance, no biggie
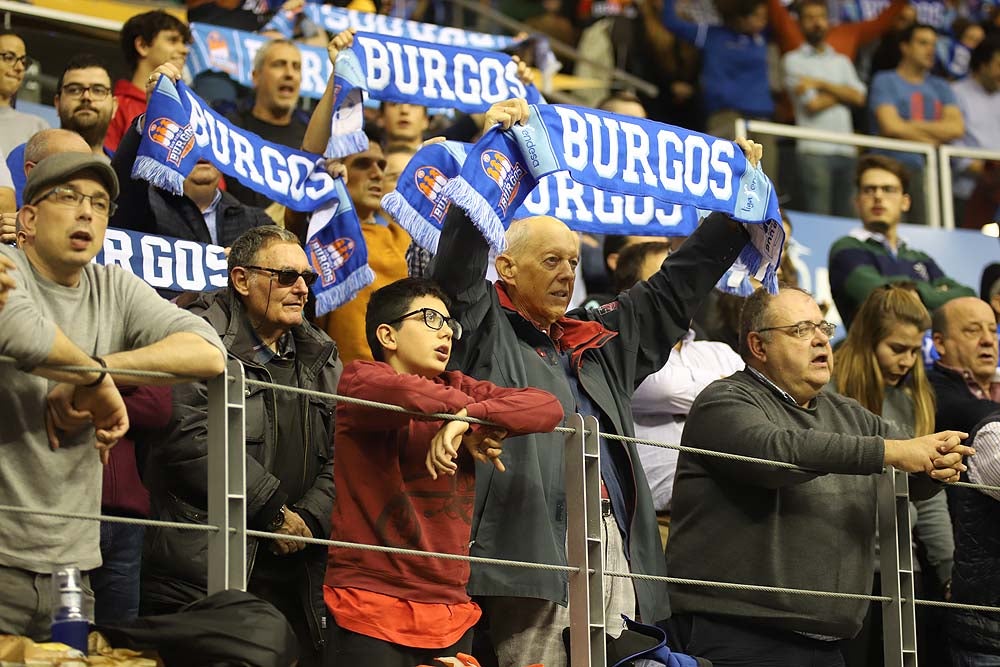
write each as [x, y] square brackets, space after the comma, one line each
[72, 608]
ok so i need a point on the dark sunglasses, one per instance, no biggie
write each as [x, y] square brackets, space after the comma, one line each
[287, 277]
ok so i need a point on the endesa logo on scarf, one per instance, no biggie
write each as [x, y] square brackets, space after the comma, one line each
[326, 258]
[506, 174]
[177, 140]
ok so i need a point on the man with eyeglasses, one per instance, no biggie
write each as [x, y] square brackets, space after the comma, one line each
[15, 126]
[289, 464]
[66, 310]
[85, 106]
[812, 527]
[874, 255]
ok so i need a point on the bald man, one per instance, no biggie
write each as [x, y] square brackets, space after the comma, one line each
[520, 335]
[41, 145]
[965, 376]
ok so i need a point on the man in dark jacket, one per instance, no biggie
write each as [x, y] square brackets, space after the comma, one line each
[289, 443]
[203, 213]
[519, 336]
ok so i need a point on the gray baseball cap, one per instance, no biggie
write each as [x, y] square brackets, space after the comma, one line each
[61, 167]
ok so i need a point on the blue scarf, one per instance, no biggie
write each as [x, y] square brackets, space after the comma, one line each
[419, 206]
[336, 19]
[218, 49]
[622, 155]
[180, 129]
[164, 262]
[394, 69]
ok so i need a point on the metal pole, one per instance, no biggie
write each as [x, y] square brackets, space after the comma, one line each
[899, 622]
[227, 501]
[933, 186]
[947, 193]
[584, 548]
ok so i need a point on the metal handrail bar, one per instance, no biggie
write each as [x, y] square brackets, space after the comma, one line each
[932, 192]
[947, 190]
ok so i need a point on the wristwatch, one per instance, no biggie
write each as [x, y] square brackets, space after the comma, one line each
[278, 521]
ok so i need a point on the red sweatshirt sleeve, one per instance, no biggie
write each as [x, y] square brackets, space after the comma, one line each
[377, 381]
[869, 31]
[787, 33]
[520, 411]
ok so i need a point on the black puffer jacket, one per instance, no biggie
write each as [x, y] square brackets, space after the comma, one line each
[174, 568]
[975, 577]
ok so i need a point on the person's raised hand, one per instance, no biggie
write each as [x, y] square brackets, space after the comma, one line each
[342, 40]
[166, 69]
[507, 113]
[524, 73]
[336, 168]
[751, 149]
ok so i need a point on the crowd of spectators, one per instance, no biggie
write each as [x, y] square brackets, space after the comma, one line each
[655, 352]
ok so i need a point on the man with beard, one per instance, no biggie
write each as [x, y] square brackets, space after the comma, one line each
[823, 84]
[85, 105]
[875, 255]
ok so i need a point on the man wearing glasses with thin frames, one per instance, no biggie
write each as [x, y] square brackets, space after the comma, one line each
[16, 127]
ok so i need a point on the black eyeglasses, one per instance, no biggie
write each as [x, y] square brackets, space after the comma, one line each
[9, 58]
[67, 196]
[434, 320]
[97, 91]
[805, 328]
[287, 277]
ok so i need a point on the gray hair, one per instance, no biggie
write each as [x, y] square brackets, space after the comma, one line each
[261, 55]
[753, 315]
[245, 249]
[40, 145]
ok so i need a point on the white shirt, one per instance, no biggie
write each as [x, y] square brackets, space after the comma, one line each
[984, 467]
[661, 404]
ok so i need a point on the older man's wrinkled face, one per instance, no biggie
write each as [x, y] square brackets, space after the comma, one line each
[270, 305]
[969, 341]
[802, 366]
[543, 270]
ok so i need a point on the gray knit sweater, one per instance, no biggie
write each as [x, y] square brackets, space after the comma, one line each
[764, 525]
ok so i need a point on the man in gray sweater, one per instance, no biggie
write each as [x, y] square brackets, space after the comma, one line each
[65, 311]
[770, 526]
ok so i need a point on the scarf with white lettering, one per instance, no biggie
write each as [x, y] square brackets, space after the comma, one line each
[181, 129]
[164, 262]
[419, 206]
[624, 156]
[218, 49]
[337, 19]
[394, 69]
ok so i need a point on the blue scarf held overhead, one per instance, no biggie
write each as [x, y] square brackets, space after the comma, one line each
[394, 69]
[419, 205]
[337, 19]
[180, 129]
[232, 52]
[623, 155]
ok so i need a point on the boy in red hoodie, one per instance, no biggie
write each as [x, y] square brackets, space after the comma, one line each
[406, 481]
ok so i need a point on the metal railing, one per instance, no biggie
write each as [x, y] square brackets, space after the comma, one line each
[932, 192]
[946, 155]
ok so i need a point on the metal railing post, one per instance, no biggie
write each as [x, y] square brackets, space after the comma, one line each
[584, 548]
[899, 621]
[932, 186]
[227, 501]
[947, 192]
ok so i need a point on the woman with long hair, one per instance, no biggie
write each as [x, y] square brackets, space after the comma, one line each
[880, 365]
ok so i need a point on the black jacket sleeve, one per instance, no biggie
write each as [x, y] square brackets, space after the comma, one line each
[134, 211]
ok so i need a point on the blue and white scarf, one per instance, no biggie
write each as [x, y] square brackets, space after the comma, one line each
[337, 19]
[419, 205]
[394, 69]
[181, 129]
[232, 52]
[164, 262]
[621, 155]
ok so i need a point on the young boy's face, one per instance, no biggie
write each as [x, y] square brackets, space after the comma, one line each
[168, 46]
[421, 349]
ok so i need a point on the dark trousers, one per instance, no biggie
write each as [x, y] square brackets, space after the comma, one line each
[284, 594]
[116, 582]
[730, 643]
[345, 648]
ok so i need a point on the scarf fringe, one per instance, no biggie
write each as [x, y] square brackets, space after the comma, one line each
[463, 194]
[347, 144]
[424, 233]
[336, 296]
[158, 174]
